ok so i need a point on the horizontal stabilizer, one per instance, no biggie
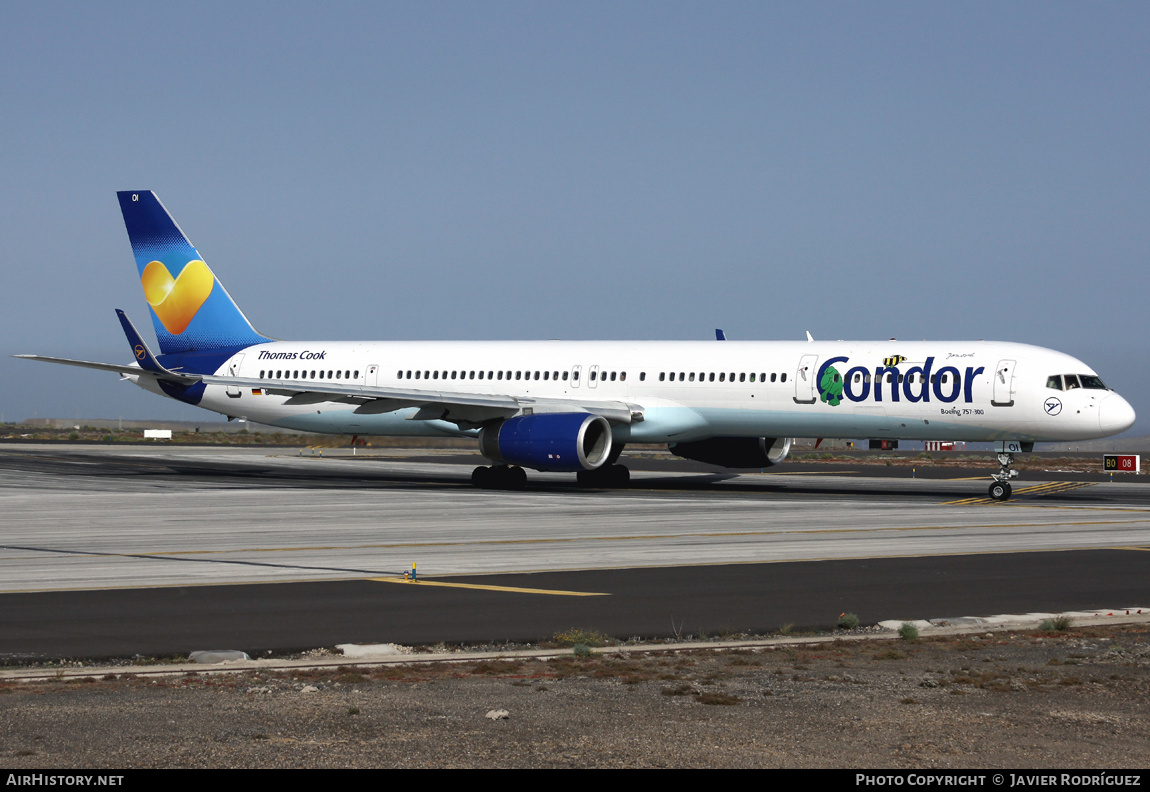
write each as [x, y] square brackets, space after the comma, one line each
[116, 367]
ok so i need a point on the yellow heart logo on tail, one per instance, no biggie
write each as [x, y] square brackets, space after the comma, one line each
[176, 300]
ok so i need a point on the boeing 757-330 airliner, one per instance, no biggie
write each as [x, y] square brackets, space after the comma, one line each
[573, 405]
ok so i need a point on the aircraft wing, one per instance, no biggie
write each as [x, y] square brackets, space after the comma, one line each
[469, 408]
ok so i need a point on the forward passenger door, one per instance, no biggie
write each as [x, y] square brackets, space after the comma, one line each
[805, 384]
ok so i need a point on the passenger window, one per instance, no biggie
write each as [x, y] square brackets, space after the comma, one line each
[623, 376]
[612, 376]
[564, 376]
[742, 377]
[722, 376]
[752, 376]
[642, 376]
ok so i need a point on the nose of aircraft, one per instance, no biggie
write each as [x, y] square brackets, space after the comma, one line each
[1115, 414]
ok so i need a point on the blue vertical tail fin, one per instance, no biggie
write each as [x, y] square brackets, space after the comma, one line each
[191, 310]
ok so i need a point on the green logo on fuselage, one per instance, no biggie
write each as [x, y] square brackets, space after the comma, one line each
[831, 386]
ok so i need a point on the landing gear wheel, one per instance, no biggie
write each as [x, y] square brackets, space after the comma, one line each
[1000, 487]
[1000, 491]
[606, 476]
[506, 477]
[620, 476]
[515, 478]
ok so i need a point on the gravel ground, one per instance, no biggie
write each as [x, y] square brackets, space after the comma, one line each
[1078, 699]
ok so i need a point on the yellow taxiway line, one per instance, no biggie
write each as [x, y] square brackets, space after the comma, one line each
[510, 589]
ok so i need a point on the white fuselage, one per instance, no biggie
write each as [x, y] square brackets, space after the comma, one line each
[691, 390]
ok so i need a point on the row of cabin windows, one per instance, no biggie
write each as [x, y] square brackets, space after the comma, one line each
[703, 376]
[491, 375]
[613, 376]
[296, 374]
[604, 376]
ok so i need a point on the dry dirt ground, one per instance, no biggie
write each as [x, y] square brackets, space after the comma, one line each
[1076, 699]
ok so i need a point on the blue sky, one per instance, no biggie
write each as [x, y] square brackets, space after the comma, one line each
[589, 170]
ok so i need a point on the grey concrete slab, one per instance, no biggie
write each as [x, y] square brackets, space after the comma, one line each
[111, 517]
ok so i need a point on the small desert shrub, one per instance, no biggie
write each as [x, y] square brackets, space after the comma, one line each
[908, 632]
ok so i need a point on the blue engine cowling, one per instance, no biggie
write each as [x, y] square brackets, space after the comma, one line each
[736, 452]
[565, 442]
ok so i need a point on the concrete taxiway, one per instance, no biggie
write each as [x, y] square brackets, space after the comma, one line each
[120, 518]
[165, 519]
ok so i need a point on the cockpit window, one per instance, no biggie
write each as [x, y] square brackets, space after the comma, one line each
[1054, 381]
[1091, 381]
[1071, 381]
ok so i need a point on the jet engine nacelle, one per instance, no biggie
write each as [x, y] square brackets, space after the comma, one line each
[564, 442]
[736, 452]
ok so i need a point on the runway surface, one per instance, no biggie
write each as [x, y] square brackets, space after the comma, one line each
[173, 540]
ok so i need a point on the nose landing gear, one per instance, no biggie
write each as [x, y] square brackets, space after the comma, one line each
[1000, 489]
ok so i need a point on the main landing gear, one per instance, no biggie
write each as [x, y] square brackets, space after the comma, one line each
[606, 476]
[1000, 489]
[508, 477]
[513, 477]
